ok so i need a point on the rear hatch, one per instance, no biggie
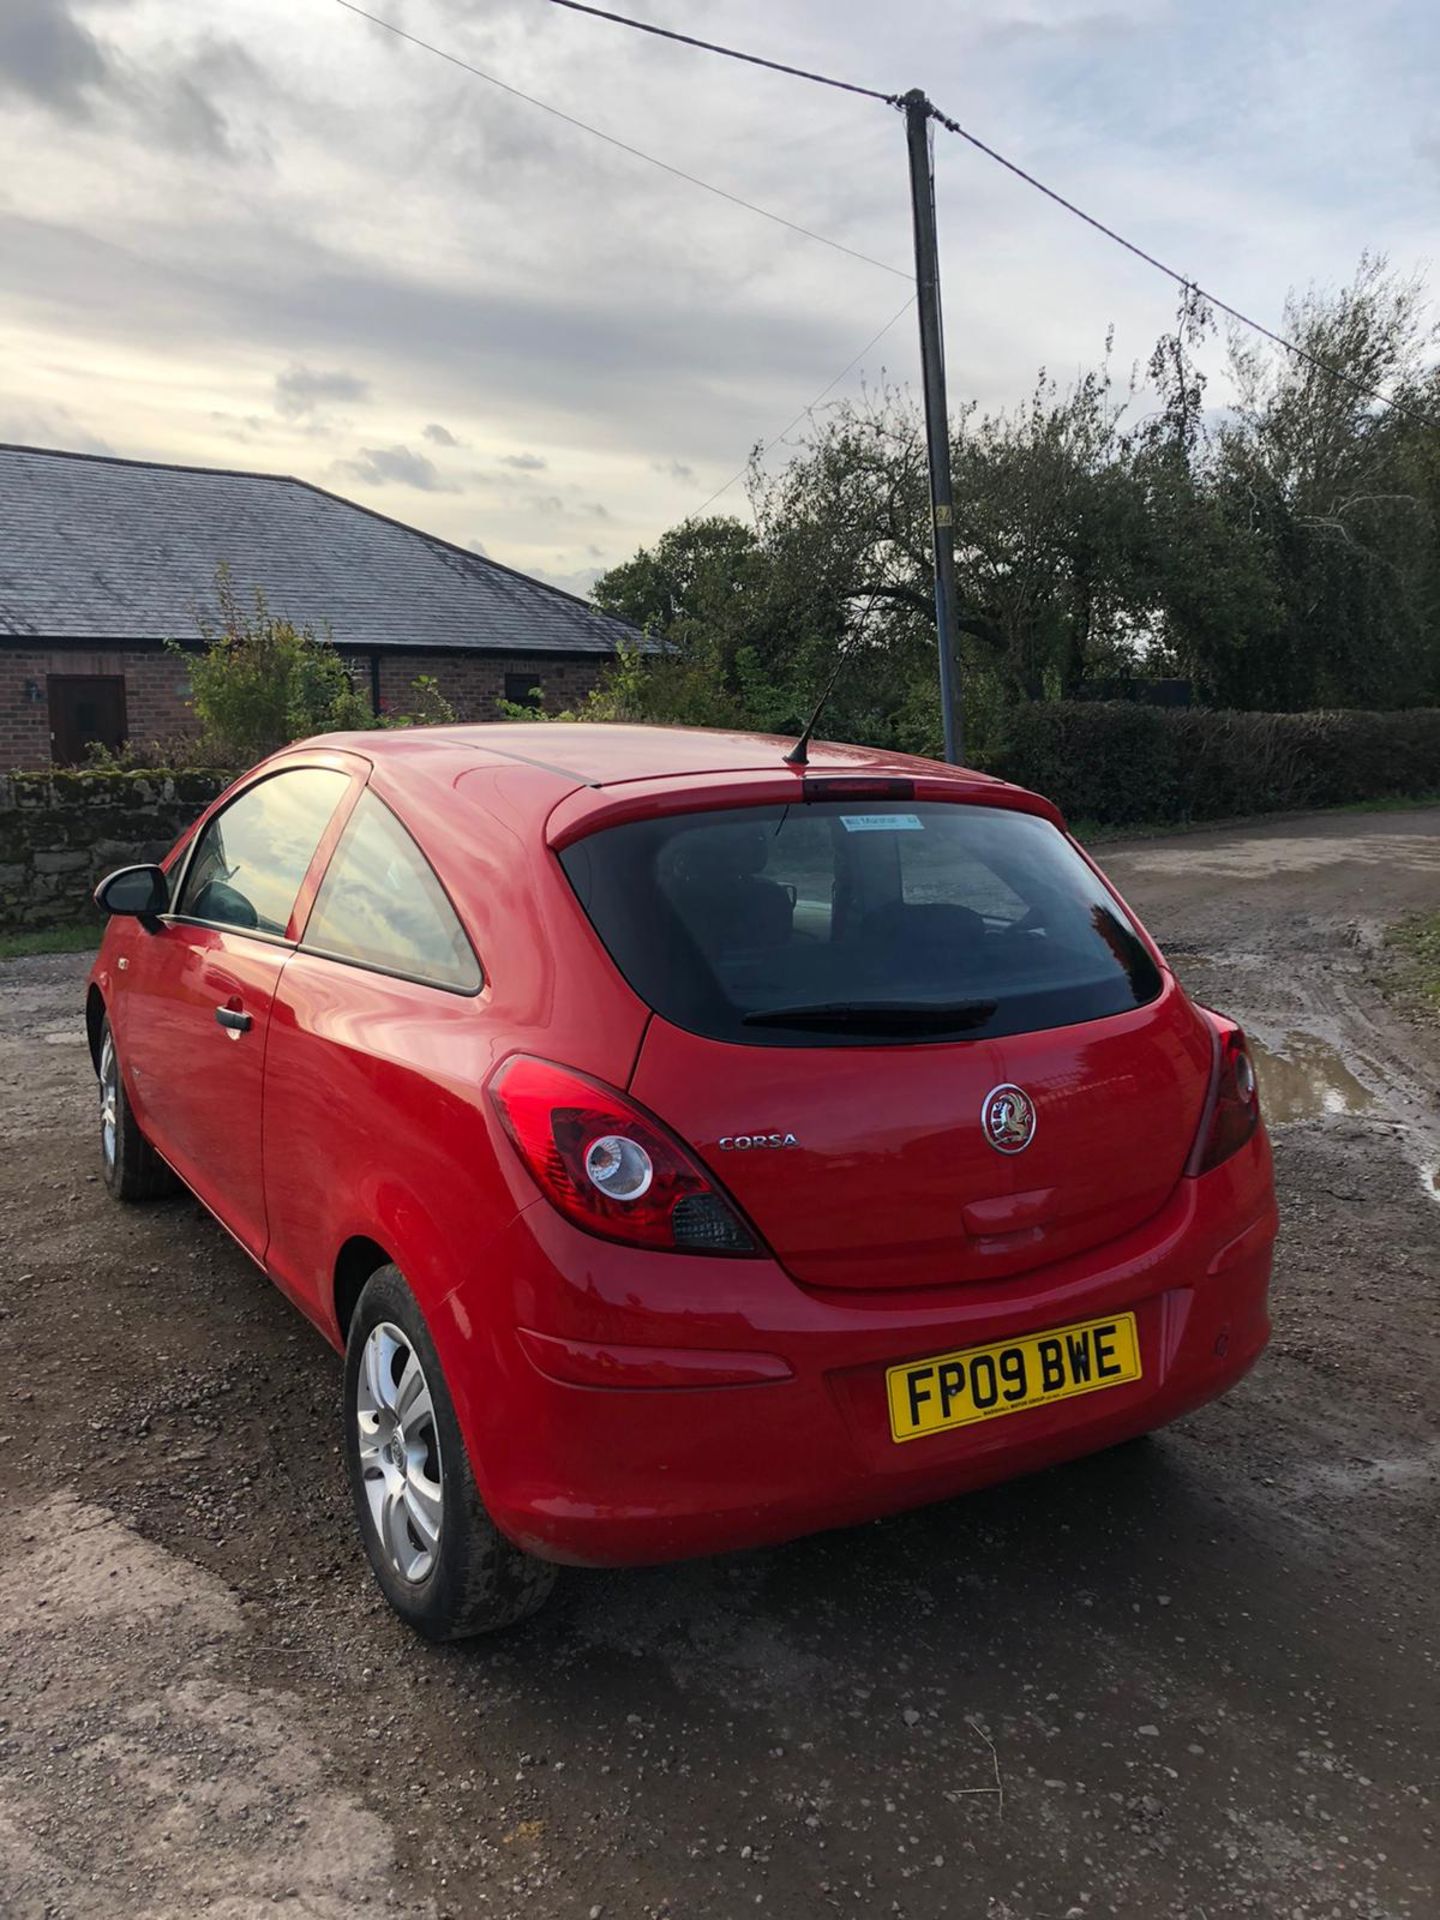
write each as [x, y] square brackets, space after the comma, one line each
[919, 1041]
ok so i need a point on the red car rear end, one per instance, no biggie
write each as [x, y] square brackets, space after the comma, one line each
[857, 978]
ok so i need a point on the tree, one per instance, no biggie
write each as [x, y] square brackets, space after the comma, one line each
[1050, 524]
[1213, 584]
[1333, 482]
[1280, 554]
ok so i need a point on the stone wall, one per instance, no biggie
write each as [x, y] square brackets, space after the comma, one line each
[61, 832]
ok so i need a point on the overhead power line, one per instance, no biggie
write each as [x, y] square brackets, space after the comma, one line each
[1185, 281]
[730, 53]
[1182, 280]
[850, 367]
[638, 153]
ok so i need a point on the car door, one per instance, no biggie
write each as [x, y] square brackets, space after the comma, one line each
[195, 1019]
[374, 1117]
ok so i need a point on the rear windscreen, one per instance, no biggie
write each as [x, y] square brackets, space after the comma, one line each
[834, 924]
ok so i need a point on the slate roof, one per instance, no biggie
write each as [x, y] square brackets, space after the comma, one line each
[95, 548]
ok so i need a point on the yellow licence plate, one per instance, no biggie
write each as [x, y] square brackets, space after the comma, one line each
[981, 1383]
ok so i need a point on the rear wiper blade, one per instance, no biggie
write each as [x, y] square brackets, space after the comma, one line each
[878, 1016]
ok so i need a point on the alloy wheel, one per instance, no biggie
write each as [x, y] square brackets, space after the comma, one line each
[399, 1452]
[109, 1102]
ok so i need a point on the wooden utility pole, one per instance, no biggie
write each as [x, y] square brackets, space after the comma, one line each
[937, 418]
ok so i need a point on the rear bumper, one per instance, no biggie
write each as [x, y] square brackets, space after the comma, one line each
[603, 1441]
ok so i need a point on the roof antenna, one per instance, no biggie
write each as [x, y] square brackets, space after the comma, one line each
[799, 754]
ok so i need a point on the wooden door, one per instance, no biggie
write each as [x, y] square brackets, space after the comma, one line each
[85, 708]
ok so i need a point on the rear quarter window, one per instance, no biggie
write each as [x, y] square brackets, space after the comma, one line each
[823, 924]
[380, 906]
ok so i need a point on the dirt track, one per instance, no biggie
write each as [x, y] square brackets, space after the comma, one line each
[1194, 1678]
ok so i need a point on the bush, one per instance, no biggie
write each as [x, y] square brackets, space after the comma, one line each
[262, 681]
[1121, 764]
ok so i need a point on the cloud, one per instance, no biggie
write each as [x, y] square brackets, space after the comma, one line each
[246, 427]
[47, 426]
[47, 55]
[183, 107]
[579, 582]
[1101, 27]
[537, 361]
[556, 506]
[524, 462]
[510, 271]
[397, 466]
[300, 389]
[51, 57]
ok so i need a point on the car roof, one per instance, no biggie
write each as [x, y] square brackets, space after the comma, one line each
[574, 778]
[594, 755]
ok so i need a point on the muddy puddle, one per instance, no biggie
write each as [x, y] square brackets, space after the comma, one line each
[1305, 1079]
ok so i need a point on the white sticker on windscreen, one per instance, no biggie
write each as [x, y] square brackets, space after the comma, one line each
[881, 822]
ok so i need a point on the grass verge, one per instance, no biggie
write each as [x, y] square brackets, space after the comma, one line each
[1416, 944]
[19, 946]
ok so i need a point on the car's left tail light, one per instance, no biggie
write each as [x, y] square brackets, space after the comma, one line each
[1233, 1110]
[610, 1167]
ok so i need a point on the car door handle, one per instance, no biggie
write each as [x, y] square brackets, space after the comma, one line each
[234, 1023]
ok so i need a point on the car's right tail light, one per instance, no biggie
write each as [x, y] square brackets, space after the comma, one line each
[609, 1166]
[1232, 1111]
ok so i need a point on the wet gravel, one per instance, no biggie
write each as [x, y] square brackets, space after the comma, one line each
[1191, 1678]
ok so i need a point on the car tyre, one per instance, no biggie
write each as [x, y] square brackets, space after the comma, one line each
[439, 1558]
[131, 1167]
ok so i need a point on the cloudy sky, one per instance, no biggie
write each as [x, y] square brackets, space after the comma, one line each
[266, 234]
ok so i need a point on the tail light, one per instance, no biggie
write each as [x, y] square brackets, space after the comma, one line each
[1232, 1112]
[608, 1166]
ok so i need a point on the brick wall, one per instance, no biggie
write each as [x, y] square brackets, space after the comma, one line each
[157, 687]
[474, 684]
[62, 832]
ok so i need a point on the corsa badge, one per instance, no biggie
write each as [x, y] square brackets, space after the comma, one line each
[1008, 1117]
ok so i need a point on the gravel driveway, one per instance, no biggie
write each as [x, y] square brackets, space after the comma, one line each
[1195, 1677]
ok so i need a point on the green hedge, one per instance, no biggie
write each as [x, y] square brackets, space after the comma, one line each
[1118, 764]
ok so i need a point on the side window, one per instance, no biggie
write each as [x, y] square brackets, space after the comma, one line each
[250, 860]
[381, 906]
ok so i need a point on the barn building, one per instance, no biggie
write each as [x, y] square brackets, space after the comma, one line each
[104, 561]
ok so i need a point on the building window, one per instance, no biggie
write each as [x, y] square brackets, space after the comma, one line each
[524, 690]
[85, 710]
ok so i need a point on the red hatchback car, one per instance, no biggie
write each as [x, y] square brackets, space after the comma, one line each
[688, 1149]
